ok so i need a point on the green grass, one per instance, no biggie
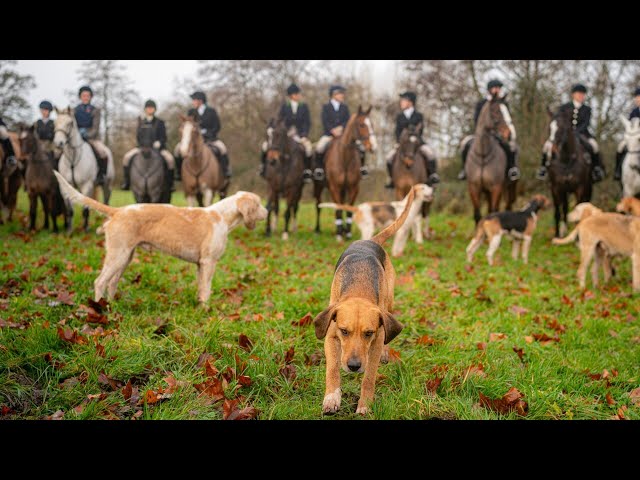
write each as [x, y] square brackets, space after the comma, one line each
[278, 283]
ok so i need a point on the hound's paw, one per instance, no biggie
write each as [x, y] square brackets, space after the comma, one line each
[362, 410]
[331, 403]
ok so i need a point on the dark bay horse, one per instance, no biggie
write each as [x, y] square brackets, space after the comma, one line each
[148, 173]
[409, 169]
[283, 173]
[569, 171]
[202, 174]
[486, 162]
[40, 181]
[342, 168]
[10, 179]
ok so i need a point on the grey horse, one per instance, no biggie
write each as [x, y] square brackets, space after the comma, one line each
[149, 175]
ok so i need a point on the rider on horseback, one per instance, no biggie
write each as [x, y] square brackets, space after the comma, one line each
[88, 120]
[45, 129]
[209, 127]
[6, 144]
[622, 146]
[581, 115]
[150, 126]
[335, 116]
[510, 148]
[411, 117]
[295, 113]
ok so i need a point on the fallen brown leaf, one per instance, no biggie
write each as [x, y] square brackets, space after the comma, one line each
[230, 411]
[495, 336]
[518, 310]
[394, 355]
[634, 396]
[510, 401]
[609, 398]
[481, 345]
[306, 320]
[288, 371]
[71, 336]
[433, 384]
[519, 352]
[314, 359]
[426, 340]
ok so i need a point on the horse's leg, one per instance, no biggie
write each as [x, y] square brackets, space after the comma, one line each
[337, 198]
[555, 194]
[46, 206]
[52, 202]
[287, 218]
[267, 230]
[565, 211]
[106, 192]
[317, 191]
[68, 216]
[191, 200]
[474, 193]
[33, 209]
[353, 193]
[426, 232]
[276, 210]
[494, 198]
[208, 197]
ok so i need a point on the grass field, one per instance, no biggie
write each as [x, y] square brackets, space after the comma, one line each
[471, 332]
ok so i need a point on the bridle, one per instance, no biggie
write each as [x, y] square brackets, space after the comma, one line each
[67, 142]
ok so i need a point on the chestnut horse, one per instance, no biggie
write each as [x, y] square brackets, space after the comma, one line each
[283, 173]
[487, 162]
[342, 167]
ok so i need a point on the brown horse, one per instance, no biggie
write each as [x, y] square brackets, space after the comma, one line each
[342, 167]
[38, 178]
[409, 169]
[202, 174]
[486, 163]
[283, 173]
[10, 179]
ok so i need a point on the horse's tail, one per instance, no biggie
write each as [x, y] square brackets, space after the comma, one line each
[339, 206]
[568, 239]
[75, 196]
[381, 237]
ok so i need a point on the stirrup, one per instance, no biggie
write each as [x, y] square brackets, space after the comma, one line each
[364, 171]
[318, 174]
[514, 174]
[542, 173]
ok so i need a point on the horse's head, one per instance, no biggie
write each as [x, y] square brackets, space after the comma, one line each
[28, 141]
[631, 133]
[189, 131]
[63, 125]
[497, 123]
[409, 144]
[277, 138]
[563, 125]
[364, 130]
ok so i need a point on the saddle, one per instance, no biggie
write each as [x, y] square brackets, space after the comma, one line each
[215, 150]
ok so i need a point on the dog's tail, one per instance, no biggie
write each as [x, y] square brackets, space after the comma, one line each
[382, 237]
[339, 206]
[75, 196]
[568, 239]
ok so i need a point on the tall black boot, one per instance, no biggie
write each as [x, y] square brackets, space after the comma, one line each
[542, 171]
[126, 181]
[226, 168]
[389, 171]
[364, 171]
[178, 172]
[170, 176]
[617, 175]
[513, 172]
[263, 164]
[306, 174]
[465, 151]
[431, 166]
[318, 173]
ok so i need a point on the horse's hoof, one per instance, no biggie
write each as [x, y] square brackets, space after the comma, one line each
[349, 235]
[285, 236]
[339, 238]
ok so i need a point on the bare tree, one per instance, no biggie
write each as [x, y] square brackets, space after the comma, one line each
[14, 89]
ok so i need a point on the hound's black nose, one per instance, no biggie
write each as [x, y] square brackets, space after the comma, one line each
[354, 364]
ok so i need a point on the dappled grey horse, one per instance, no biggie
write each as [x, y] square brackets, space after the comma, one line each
[148, 173]
[631, 161]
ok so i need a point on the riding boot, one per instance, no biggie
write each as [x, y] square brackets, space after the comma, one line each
[542, 171]
[597, 173]
[619, 158]
[364, 171]
[126, 181]
[178, 171]
[513, 172]
[390, 170]
[465, 151]
[226, 168]
[430, 164]
[306, 174]
[170, 176]
[102, 166]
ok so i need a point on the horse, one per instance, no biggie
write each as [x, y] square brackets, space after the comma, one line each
[10, 179]
[78, 163]
[569, 170]
[631, 161]
[487, 162]
[409, 169]
[342, 167]
[149, 173]
[201, 171]
[283, 173]
[39, 179]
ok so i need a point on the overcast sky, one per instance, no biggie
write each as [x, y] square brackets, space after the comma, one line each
[154, 78]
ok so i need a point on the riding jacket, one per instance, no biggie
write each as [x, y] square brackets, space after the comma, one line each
[332, 118]
[88, 120]
[403, 122]
[635, 113]
[581, 117]
[45, 130]
[301, 119]
[153, 130]
[209, 122]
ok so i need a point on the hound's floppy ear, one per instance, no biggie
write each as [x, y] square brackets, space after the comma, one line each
[248, 208]
[323, 319]
[392, 327]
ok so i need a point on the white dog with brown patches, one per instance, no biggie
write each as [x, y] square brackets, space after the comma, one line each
[197, 235]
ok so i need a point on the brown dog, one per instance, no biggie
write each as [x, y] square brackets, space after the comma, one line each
[358, 322]
[616, 234]
[197, 235]
[629, 205]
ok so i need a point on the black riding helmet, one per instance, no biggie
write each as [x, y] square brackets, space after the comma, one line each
[411, 96]
[85, 88]
[636, 92]
[293, 89]
[150, 103]
[45, 105]
[578, 87]
[494, 83]
[199, 95]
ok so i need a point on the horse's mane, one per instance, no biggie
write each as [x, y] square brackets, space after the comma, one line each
[348, 129]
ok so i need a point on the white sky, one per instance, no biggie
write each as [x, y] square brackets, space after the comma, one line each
[154, 78]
